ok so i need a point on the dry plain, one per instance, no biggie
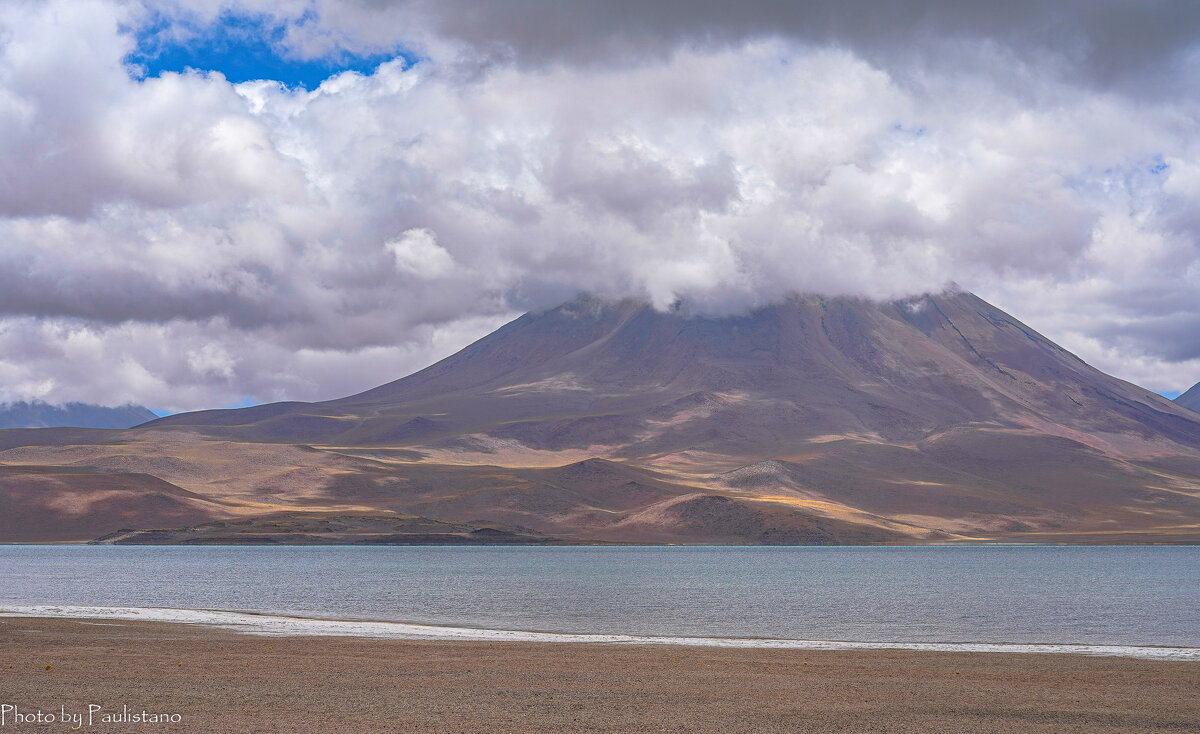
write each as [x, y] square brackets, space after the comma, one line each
[220, 681]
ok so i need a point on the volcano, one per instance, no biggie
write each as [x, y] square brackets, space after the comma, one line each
[938, 418]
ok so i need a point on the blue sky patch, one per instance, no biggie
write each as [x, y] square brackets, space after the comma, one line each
[242, 47]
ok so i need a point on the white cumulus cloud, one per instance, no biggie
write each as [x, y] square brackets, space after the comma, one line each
[417, 252]
[213, 243]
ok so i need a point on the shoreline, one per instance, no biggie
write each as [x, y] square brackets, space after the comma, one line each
[224, 681]
[277, 626]
[1058, 541]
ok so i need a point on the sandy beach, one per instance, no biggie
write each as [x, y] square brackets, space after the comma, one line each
[218, 681]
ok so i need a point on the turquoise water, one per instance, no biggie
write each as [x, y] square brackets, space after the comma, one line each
[1060, 595]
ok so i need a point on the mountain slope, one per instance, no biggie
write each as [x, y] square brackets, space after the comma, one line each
[816, 420]
[1190, 399]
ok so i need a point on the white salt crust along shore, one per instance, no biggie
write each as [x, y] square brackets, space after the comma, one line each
[271, 625]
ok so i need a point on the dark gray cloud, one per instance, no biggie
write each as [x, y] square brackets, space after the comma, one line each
[1107, 42]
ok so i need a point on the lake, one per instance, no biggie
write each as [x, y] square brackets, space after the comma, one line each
[1098, 596]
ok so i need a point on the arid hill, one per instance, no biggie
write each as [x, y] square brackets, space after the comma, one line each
[816, 420]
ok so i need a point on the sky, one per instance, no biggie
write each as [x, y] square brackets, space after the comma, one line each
[209, 203]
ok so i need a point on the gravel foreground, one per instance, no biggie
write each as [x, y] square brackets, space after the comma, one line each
[194, 679]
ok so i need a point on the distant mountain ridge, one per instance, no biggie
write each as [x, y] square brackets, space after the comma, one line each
[815, 420]
[1191, 398]
[38, 414]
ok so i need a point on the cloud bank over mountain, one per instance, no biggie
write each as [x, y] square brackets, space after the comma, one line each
[181, 241]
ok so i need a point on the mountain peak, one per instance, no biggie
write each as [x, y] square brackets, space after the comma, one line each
[807, 366]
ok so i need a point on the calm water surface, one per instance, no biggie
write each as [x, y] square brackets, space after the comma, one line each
[1110, 596]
